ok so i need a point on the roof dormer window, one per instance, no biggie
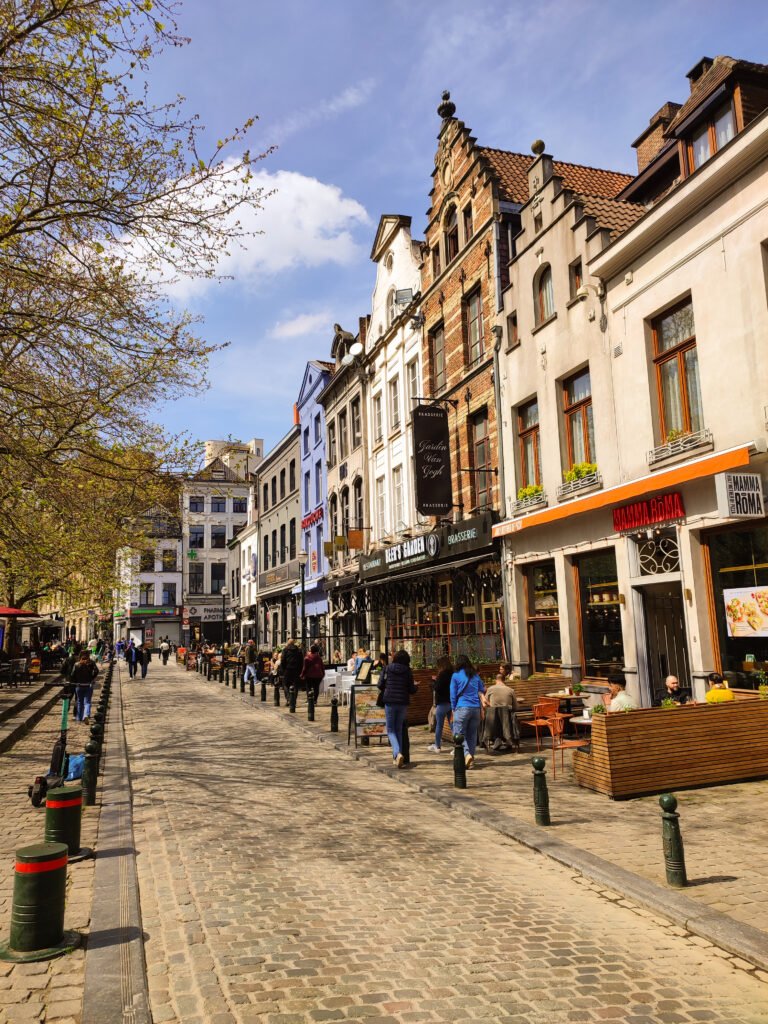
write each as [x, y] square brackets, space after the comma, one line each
[711, 135]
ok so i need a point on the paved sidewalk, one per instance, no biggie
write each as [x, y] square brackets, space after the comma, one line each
[281, 884]
[51, 991]
[725, 828]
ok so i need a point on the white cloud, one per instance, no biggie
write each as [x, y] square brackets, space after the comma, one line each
[351, 97]
[302, 325]
[302, 222]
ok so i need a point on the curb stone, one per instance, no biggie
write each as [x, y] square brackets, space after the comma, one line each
[741, 940]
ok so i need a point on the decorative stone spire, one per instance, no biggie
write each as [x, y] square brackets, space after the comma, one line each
[446, 108]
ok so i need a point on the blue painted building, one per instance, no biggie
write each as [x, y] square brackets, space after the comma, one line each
[313, 483]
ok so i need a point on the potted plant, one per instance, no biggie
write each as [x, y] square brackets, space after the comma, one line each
[599, 709]
[531, 491]
[669, 703]
[578, 471]
[675, 435]
[577, 689]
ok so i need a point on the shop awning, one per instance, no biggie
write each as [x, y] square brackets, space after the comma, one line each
[431, 570]
[707, 465]
[57, 623]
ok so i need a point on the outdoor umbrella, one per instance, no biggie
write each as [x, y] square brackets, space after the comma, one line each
[15, 613]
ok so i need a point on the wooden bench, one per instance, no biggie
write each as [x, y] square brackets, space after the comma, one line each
[654, 750]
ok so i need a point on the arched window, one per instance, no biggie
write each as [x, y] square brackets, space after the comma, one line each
[544, 299]
[391, 307]
[345, 511]
[358, 500]
[451, 235]
[333, 510]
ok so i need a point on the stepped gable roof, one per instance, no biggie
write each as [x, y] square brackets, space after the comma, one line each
[217, 471]
[613, 214]
[512, 171]
[722, 68]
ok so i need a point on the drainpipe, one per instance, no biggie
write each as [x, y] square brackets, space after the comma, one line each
[498, 334]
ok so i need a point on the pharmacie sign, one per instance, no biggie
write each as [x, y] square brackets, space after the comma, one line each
[740, 495]
[662, 508]
[439, 546]
[208, 613]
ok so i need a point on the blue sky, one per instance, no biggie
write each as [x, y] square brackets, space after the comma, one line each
[348, 90]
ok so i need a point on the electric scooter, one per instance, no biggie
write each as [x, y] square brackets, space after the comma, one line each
[57, 772]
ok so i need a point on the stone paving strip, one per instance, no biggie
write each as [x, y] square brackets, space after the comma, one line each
[51, 991]
[281, 884]
[725, 831]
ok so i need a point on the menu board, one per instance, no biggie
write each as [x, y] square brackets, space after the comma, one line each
[365, 717]
[746, 611]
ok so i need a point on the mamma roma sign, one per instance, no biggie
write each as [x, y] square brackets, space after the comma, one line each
[665, 508]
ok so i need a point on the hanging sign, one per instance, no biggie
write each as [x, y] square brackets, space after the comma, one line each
[432, 460]
[740, 495]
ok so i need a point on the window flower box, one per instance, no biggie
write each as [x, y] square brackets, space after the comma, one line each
[529, 503]
[678, 447]
[571, 488]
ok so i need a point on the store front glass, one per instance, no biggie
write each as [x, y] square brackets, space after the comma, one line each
[543, 617]
[602, 644]
[739, 566]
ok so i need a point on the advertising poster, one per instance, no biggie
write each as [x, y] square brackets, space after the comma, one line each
[432, 460]
[746, 611]
[369, 719]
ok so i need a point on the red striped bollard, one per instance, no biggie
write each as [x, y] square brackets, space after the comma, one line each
[63, 815]
[37, 914]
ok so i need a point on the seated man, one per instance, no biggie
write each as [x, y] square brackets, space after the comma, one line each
[617, 689]
[674, 691]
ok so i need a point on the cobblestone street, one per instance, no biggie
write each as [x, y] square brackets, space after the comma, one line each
[282, 882]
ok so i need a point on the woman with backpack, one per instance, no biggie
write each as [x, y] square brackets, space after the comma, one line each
[397, 686]
[466, 689]
[83, 675]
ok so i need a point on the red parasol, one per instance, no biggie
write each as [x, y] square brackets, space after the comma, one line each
[15, 613]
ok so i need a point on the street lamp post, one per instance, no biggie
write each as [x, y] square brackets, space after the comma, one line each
[224, 593]
[302, 559]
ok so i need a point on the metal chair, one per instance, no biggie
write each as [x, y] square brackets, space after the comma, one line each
[556, 726]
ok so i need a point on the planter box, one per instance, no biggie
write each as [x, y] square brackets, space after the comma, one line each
[587, 483]
[688, 444]
[523, 505]
[655, 750]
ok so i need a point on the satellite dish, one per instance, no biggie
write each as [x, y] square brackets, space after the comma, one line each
[356, 348]
[347, 360]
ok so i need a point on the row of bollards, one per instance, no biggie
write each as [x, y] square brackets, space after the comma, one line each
[40, 876]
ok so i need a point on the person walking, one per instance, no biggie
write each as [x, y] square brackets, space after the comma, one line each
[313, 670]
[132, 657]
[83, 675]
[145, 656]
[466, 688]
[397, 686]
[165, 650]
[441, 685]
[251, 658]
[291, 664]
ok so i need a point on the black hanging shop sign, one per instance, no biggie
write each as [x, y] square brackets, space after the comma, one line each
[432, 460]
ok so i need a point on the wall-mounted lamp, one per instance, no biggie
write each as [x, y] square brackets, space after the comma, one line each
[622, 600]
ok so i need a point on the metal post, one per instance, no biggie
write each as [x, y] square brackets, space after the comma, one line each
[277, 693]
[63, 816]
[242, 685]
[334, 714]
[405, 746]
[302, 570]
[540, 794]
[90, 773]
[223, 613]
[292, 698]
[674, 854]
[263, 690]
[310, 702]
[459, 767]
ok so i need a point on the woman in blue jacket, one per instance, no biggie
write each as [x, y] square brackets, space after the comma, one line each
[466, 687]
[397, 685]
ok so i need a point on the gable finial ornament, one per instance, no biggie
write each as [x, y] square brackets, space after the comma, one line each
[447, 108]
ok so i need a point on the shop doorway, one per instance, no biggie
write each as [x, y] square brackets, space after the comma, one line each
[666, 639]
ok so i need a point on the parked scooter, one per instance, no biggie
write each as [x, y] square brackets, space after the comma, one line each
[57, 772]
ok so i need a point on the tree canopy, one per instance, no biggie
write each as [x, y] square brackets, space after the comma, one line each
[105, 199]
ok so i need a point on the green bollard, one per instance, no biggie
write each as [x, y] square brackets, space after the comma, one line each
[334, 714]
[242, 685]
[459, 766]
[292, 700]
[37, 913]
[63, 814]
[263, 693]
[90, 773]
[540, 794]
[674, 854]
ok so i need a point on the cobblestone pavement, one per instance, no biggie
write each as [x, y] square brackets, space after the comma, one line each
[50, 991]
[725, 831]
[282, 883]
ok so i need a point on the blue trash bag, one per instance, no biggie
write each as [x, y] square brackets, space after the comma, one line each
[75, 767]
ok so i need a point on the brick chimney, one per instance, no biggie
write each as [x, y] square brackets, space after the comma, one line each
[650, 142]
[699, 69]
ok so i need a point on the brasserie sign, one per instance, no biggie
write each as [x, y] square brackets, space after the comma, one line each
[432, 460]
[466, 537]
[638, 515]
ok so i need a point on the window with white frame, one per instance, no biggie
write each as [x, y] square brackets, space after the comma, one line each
[343, 436]
[412, 371]
[381, 508]
[398, 511]
[378, 420]
[357, 424]
[394, 403]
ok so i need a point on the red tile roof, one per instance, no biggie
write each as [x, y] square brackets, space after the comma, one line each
[613, 214]
[512, 171]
